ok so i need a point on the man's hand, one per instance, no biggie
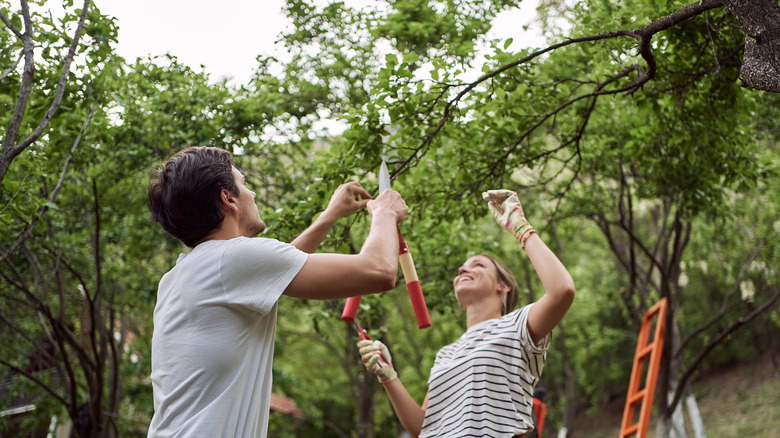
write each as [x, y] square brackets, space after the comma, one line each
[509, 214]
[376, 358]
[389, 201]
[347, 199]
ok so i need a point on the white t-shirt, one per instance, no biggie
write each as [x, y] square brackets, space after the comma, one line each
[482, 385]
[213, 341]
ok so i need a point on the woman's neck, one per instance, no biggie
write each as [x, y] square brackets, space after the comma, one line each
[478, 313]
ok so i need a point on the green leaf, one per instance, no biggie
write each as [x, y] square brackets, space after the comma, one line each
[411, 58]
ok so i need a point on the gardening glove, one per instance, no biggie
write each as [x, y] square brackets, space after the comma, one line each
[377, 360]
[509, 214]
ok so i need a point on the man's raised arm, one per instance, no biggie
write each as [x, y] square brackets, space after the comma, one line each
[374, 269]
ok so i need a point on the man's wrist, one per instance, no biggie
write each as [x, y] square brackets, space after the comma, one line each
[381, 215]
[327, 218]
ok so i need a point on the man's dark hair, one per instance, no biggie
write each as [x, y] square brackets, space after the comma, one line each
[184, 197]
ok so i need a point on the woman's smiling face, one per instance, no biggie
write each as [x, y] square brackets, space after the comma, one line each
[477, 279]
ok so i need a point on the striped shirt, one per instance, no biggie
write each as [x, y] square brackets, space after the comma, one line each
[482, 385]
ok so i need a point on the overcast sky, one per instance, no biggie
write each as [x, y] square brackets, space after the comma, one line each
[227, 35]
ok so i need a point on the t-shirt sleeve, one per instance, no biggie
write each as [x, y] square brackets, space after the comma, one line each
[256, 271]
[521, 319]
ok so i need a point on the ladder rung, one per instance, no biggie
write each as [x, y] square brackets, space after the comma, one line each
[638, 396]
[631, 429]
[645, 351]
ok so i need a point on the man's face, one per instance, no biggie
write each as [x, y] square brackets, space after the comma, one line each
[249, 216]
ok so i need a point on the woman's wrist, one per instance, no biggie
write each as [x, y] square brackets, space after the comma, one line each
[523, 239]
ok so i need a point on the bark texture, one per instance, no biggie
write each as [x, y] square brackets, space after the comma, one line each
[760, 19]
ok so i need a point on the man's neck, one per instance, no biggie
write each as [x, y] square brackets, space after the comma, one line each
[227, 230]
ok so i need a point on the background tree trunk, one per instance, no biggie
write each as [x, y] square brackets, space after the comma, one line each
[760, 20]
[694, 414]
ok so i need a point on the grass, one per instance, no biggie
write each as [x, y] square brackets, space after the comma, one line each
[741, 400]
[741, 403]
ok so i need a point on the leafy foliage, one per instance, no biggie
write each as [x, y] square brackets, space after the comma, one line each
[646, 185]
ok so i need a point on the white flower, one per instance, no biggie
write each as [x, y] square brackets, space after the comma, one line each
[683, 280]
[748, 290]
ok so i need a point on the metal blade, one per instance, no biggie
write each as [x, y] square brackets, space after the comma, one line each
[384, 177]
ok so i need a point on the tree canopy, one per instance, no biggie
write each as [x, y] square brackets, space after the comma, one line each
[642, 141]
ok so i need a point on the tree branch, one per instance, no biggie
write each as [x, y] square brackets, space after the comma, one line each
[724, 306]
[57, 188]
[10, 25]
[643, 35]
[683, 14]
[12, 67]
[715, 342]
[9, 152]
[34, 379]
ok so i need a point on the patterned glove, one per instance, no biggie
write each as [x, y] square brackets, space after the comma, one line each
[377, 360]
[509, 213]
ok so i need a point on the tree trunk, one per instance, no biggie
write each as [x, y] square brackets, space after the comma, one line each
[570, 377]
[677, 422]
[693, 412]
[364, 426]
[667, 374]
[365, 386]
[760, 20]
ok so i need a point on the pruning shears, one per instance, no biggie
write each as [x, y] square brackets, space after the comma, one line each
[407, 267]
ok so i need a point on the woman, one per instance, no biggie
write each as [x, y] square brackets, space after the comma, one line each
[482, 385]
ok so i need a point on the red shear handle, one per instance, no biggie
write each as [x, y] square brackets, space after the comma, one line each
[350, 309]
[413, 286]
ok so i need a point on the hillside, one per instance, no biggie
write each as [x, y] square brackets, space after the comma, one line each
[739, 400]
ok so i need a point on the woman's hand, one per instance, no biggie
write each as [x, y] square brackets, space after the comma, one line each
[377, 359]
[508, 211]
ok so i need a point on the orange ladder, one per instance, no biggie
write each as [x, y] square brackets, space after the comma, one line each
[644, 397]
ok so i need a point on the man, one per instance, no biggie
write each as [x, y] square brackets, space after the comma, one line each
[215, 317]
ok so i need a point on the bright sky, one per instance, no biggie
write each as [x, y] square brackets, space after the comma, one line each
[226, 36]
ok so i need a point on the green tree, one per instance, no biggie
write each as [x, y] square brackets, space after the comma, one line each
[642, 130]
[52, 257]
[634, 150]
[81, 259]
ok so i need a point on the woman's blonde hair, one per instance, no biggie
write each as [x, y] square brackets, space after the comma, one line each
[506, 276]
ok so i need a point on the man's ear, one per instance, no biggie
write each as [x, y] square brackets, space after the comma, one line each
[228, 201]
